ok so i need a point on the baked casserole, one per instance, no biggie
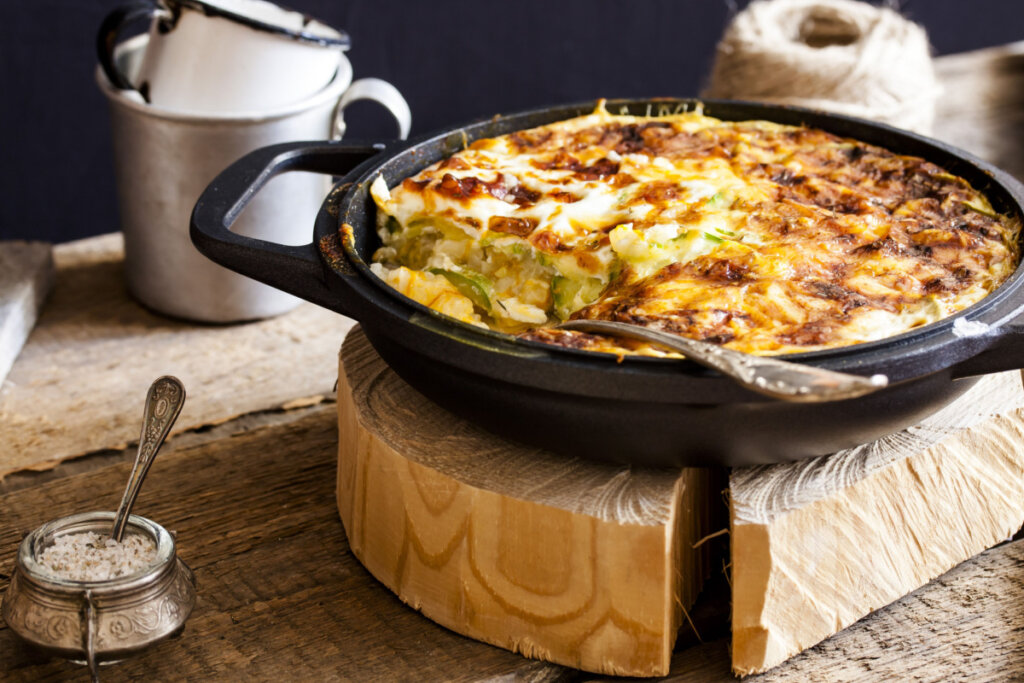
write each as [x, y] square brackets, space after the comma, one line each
[764, 237]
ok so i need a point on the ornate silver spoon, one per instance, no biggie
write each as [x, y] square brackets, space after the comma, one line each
[164, 400]
[770, 376]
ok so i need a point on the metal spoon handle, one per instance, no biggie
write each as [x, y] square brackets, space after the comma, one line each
[164, 400]
[770, 376]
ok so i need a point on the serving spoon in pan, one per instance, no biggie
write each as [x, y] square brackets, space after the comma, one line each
[769, 376]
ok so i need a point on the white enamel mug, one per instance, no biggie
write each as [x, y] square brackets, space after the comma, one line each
[225, 56]
[164, 159]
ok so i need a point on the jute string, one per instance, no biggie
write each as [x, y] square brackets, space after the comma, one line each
[843, 56]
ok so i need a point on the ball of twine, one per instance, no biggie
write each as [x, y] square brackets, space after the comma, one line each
[843, 56]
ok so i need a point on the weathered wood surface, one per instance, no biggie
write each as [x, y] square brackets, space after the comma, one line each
[26, 275]
[79, 383]
[569, 561]
[820, 543]
[280, 595]
[982, 105]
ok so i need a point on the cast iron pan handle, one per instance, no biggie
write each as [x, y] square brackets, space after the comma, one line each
[297, 270]
[1000, 349]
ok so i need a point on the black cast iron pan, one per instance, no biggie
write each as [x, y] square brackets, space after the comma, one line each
[643, 410]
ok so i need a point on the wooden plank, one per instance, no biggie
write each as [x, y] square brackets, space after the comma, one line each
[79, 383]
[280, 596]
[26, 275]
[571, 561]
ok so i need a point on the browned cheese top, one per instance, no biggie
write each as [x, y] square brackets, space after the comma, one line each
[763, 237]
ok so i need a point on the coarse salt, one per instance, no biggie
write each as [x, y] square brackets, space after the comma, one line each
[89, 556]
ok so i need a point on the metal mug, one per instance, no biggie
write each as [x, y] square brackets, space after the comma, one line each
[164, 159]
[217, 56]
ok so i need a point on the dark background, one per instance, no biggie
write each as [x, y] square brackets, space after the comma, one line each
[454, 60]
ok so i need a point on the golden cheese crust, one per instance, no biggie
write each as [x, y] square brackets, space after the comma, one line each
[762, 237]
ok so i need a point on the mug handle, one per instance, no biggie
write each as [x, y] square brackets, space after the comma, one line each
[379, 91]
[110, 29]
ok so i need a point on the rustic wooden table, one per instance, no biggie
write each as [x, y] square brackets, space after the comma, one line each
[247, 482]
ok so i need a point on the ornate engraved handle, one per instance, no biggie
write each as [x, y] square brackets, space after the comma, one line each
[164, 400]
[769, 376]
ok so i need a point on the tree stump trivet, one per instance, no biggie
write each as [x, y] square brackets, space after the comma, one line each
[578, 563]
[818, 544]
[591, 565]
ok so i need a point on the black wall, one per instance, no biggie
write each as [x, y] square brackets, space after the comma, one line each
[454, 60]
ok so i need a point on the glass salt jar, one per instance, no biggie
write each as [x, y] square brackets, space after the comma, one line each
[97, 621]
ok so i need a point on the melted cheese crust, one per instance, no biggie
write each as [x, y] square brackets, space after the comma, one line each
[763, 237]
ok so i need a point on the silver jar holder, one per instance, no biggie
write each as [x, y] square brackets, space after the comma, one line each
[93, 622]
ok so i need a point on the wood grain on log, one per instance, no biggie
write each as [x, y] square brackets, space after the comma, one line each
[574, 562]
[79, 383]
[818, 544]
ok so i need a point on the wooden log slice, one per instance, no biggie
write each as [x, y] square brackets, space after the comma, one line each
[579, 563]
[818, 544]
